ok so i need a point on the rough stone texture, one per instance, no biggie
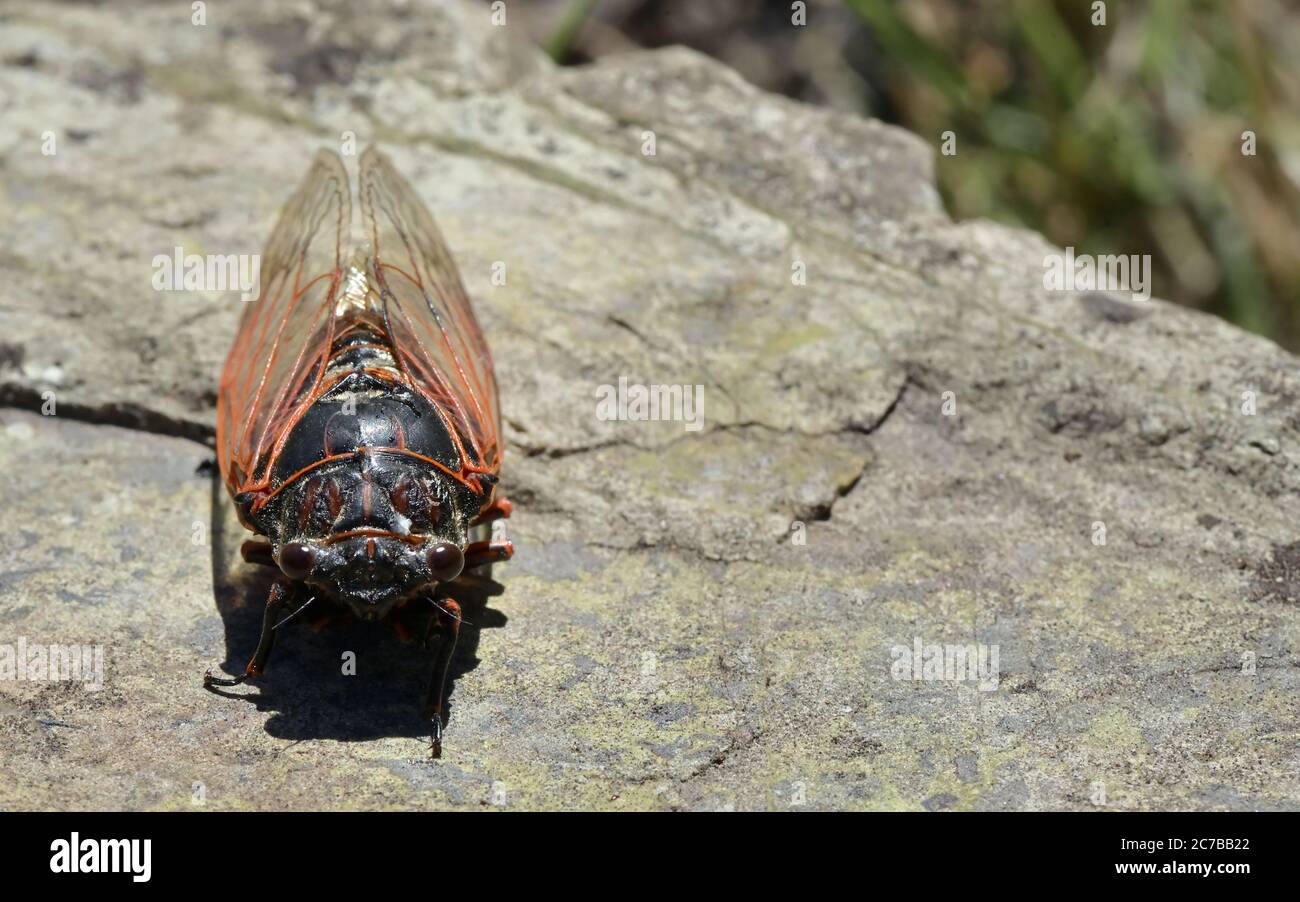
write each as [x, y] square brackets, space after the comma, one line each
[662, 640]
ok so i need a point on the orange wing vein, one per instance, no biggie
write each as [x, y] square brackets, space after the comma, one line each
[284, 336]
[435, 334]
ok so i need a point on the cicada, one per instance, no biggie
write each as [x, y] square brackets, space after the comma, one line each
[358, 420]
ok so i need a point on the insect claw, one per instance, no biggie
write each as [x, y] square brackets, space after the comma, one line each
[436, 737]
[210, 680]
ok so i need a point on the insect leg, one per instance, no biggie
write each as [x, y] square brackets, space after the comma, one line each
[448, 620]
[499, 509]
[491, 552]
[282, 595]
[257, 552]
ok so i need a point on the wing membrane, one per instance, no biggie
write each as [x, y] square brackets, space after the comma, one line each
[284, 337]
[437, 339]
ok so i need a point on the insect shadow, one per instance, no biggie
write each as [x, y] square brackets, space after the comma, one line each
[337, 679]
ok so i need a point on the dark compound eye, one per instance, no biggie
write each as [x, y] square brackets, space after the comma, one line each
[297, 560]
[445, 562]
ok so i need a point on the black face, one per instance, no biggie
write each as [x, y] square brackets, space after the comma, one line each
[371, 531]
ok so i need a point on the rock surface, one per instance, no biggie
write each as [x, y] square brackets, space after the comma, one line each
[694, 620]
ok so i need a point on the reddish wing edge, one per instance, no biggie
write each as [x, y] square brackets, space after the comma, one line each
[437, 338]
[274, 369]
[284, 336]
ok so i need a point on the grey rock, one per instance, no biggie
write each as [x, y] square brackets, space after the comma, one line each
[695, 620]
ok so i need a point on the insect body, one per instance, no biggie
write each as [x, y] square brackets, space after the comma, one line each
[358, 426]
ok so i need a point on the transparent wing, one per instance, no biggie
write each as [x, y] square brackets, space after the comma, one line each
[437, 339]
[284, 336]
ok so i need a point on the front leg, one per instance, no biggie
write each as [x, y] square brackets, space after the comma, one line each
[493, 551]
[258, 551]
[499, 509]
[448, 620]
[282, 595]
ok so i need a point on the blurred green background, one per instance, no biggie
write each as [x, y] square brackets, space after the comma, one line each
[1124, 137]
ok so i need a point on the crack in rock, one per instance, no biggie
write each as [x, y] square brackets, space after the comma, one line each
[124, 415]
